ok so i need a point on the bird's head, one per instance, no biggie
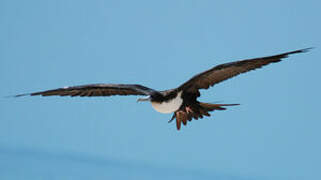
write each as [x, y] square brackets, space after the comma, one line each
[148, 98]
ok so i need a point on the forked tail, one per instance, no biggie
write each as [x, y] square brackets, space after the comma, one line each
[197, 110]
[212, 107]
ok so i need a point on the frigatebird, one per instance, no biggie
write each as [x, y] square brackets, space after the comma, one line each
[181, 101]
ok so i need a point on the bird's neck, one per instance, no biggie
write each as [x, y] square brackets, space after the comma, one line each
[164, 96]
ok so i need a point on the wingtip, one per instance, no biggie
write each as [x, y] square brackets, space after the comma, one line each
[306, 49]
[21, 95]
[15, 96]
[297, 51]
[302, 50]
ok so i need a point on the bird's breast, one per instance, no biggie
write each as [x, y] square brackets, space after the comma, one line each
[169, 106]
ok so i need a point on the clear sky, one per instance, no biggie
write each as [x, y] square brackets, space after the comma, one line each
[44, 44]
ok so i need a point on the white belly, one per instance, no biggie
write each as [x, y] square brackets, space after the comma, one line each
[169, 106]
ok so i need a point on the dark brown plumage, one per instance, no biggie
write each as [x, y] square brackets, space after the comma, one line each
[225, 71]
[215, 75]
[96, 90]
[189, 108]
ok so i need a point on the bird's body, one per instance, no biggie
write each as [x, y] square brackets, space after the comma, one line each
[168, 106]
[182, 101]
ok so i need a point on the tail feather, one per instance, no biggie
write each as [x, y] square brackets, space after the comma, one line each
[212, 107]
[188, 112]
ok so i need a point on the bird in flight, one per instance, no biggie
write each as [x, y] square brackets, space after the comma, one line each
[181, 101]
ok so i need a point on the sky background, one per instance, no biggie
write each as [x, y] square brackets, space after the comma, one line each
[45, 44]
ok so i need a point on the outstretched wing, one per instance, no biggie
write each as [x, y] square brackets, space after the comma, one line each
[225, 71]
[96, 90]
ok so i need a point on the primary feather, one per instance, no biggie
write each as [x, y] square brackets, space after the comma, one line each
[96, 90]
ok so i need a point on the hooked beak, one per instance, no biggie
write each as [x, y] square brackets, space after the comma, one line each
[143, 99]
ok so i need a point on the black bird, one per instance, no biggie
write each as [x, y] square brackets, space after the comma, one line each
[182, 101]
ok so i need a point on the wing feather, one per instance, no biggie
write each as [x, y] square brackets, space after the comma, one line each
[96, 90]
[225, 71]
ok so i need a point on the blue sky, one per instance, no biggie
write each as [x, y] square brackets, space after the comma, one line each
[273, 134]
